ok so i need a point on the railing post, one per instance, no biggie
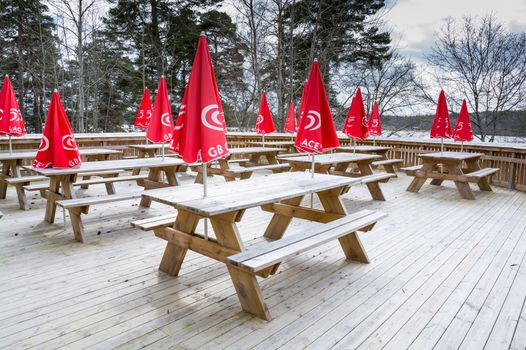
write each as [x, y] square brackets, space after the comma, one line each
[512, 172]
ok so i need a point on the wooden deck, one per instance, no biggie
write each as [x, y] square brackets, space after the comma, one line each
[445, 272]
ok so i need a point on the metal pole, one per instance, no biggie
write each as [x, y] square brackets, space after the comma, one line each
[354, 146]
[263, 139]
[374, 140]
[441, 145]
[10, 145]
[162, 149]
[205, 175]
[461, 146]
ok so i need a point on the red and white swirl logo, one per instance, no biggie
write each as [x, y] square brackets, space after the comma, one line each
[165, 119]
[375, 123]
[15, 114]
[210, 117]
[314, 120]
[259, 120]
[148, 114]
[68, 142]
[364, 121]
[44, 144]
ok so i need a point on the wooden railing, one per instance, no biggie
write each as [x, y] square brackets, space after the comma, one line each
[510, 158]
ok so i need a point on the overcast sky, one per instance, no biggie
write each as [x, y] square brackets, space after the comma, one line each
[414, 22]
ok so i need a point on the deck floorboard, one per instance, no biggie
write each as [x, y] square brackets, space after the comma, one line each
[445, 272]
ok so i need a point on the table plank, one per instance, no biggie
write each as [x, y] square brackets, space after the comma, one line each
[364, 148]
[82, 152]
[255, 192]
[332, 158]
[450, 155]
[111, 165]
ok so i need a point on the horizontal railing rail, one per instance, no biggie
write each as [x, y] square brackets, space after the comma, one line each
[509, 158]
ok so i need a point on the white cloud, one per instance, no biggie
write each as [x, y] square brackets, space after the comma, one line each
[415, 22]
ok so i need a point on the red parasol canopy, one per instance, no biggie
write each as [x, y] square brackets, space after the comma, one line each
[264, 122]
[302, 102]
[356, 123]
[202, 133]
[316, 131]
[145, 111]
[11, 122]
[463, 131]
[58, 148]
[375, 124]
[290, 122]
[161, 125]
[441, 124]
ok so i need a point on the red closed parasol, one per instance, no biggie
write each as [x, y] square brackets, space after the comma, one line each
[144, 114]
[58, 148]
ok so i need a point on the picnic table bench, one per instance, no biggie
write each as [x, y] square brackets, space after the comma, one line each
[280, 194]
[382, 151]
[63, 180]
[339, 163]
[440, 166]
[12, 166]
[250, 163]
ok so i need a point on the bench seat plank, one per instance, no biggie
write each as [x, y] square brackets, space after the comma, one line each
[153, 223]
[388, 162]
[24, 179]
[482, 173]
[258, 167]
[275, 252]
[86, 201]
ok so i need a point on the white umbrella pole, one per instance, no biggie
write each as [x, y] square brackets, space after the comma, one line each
[263, 139]
[162, 149]
[374, 140]
[10, 145]
[461, 146]
[441, 145]
[312, 176]
[353, 146]
[205, 175]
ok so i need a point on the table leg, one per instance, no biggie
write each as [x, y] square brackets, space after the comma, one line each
[245, 283]
[137, 171]
[271, 158]
[6, 167]
[279, 223]
[53, 194]
[483, 183]
[418, 182]
[351, 245]
[21, 194]
[224, 165]
[153, 176]
[462, 187]
[173, 256]
[171, 176]
[374, 187]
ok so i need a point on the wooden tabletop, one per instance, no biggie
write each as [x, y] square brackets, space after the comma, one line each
[111, 165]
[254, 150]
[332, 158]
[450, 155]
[32, 154]
[150, 146]
[364, 148]
[271, 143]
[232, 196]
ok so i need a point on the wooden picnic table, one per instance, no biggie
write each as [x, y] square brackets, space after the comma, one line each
[62, 179]
[280, 194]
[252, 160]
[149, 150]
[440, 166]
[382, 151]
[338, 163]
[289, 145]
[12, 164]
